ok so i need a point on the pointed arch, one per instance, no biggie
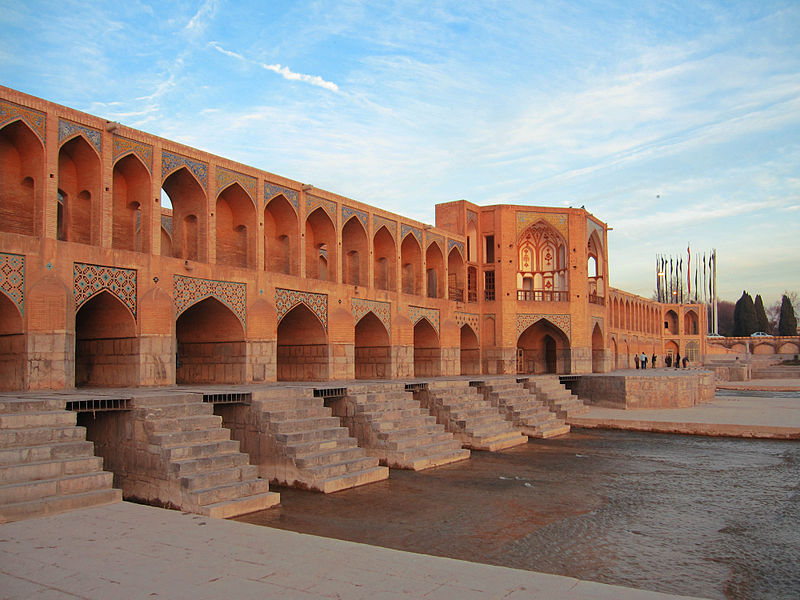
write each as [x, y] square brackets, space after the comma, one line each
[470, 351]
[385, 266]
[13, 353]
[671, 322]
[372, 348]
[21, 186]
[302, 349]
[455, 275]
[79, 180]
[691, 323]
[598, 349]
[189, 214]
[542, 255]
[427, 351]
[434, 264]
[131, 207]
[355, 252]
[411, 264]
[281, 239]
[235, 227]
[543, 348]
[321, 246]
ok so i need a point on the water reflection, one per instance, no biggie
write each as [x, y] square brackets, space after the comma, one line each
[712, 517]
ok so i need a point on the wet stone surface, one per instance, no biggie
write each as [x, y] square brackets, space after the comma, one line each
[711, 517]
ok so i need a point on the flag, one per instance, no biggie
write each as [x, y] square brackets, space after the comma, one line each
[689, 269]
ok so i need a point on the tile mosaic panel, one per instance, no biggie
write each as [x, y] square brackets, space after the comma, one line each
[67, 130]
[191, 290]
[594, 226]
[286, 300]
[124, 146]
[166, 223]
[434, 237]
[415, 313]
[314, 202]
[472, 216]
[378, 222]
[226, 177]
[473, 320]
[12, 278]
[599, 321]
[404, 229]
[563, 322]
[558, 221]
[89, 280]
[348, 211]
[271, 190]
[382, 310]
[172, 162]
[456, 244]
[36, 120]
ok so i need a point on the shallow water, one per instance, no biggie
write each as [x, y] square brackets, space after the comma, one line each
[711, 517]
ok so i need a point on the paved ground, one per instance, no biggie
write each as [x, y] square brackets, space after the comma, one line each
[126, 550]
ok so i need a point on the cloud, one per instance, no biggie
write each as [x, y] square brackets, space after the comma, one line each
[287, 73]
[219, 48]
[198, 23]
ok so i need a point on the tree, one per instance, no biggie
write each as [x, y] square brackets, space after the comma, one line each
[724, 317]
[788, 321]
[761, 316]
[744, 316]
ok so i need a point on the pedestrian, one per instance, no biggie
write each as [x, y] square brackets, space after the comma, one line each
[653, 362]
[685, 362]
[678, 360]
[636, 360]
[643, 360]
[668, 360]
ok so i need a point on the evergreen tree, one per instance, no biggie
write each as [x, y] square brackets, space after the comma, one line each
[788, 321]
[744, 316]
[761, 316]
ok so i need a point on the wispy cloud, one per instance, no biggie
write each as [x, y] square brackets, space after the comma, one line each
[199, 22]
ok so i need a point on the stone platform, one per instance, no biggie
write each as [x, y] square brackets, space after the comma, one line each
[649, 388]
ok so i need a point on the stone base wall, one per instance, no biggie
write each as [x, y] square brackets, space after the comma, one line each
[403, 361]
[580, 360]
[12, 362]
[51, 360]
[211, 362]
[427, 362]
[261, 360]
[642, 391]
[156, 360]
[373, 362]
[451, 361]
[470, 361]
[342, 361]
[308, 362]
[107, 362]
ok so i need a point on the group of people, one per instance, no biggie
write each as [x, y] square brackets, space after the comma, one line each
[641, 361]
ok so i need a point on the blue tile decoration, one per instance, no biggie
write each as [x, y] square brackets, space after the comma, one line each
[434, 238]
[456, 244]
[166, 223]
[415, 313]
[348, 211]
[191, 290]
[473, 320]
[68, 130]
[314, 202]
[12, 278]
[286, 300]
[226, 177]
[416, 231]
[378, 222]
[563, 322]
[472, 216]
[172, 162]
[124, 146]
[382, 310]
[89, 280]
[271, 190]
[528, 218]
[34, 119]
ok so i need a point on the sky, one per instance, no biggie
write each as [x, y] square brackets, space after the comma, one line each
[676, 123]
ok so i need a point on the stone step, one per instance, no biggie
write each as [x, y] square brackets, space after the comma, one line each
[68, 484]
[409, 443]
[209, 479]
[336, 469]
[57, 450]
[191, 466]
[297, 425]
[50, 505]
[354, 479]
[195, 436]
[311, 448]
[35, 436]
[298, 414]
[201, 450]
[23, 420]
[420, 461]
[192, 423]
[311, 435]
[226, 509]
[49, 469]
[171, 411]
[31, 405]
[500, 441]
[549, 429]
[166, 400]
[230, 491]
[392, 424]
[334, 456]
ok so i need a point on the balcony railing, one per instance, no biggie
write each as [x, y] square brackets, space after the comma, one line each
[595, 299]
[542, 296]
[456, 294]
[472, 295]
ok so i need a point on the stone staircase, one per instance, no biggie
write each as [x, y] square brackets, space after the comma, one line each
[296, 441]
[187, 460]
[391, 425]
[471, 419]
[522, 408]
[558, 399]
[776, 372]
[46, 464]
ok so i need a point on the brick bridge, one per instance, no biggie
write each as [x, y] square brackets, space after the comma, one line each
[754, 345]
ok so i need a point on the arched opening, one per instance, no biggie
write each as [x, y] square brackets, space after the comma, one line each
[355, 250]
[435, 271]
[106, 346]
[320, 246]
[79, 180]
[12, 346]
[543, 348]
[302, 347]
[671, 322]
[280, 237]
[211, 347]
[542, 256]
[411, 261]
[470, 352]
[427, 353]
[236, 228]
[671, 349]
[472, 284]
[598, 349]
[372, 349]
[693, 352]
[690, 323]
[131, 209]
[614, 353]
[472, 242]
[455, 276]
[595, 270]
[188, 215]
[21, 156]
[385, 267]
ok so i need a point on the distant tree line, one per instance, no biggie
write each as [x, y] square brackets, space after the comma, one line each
[746, 316]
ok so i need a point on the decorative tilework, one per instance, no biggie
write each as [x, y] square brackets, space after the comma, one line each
[226, 177]
[68, 130]
[166, 223]
[455, 243]
[473, 320]
[348, 211]
[286, 300]
[558, 221]
[378, 222]
[599, 321]
[190, 290]
[271, 190]
[563, 322]
[89, 280]
[382, 310]
[12, 278]
[36, 120]
[415, 313]
[472, 216]
[314, 202]
[404, 229]
[434, 237]
[594, 226]
[124, 146]
[172, 162]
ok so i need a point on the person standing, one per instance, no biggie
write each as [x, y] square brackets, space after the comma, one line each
[643, 360]
[636, 360]
[653, 361]
[678, 360]
[685, 362]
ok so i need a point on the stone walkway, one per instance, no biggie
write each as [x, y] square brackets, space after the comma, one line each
[130, 551]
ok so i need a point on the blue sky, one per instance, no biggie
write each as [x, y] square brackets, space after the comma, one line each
[674, 122]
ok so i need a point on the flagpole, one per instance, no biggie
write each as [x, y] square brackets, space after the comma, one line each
[714, 271]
